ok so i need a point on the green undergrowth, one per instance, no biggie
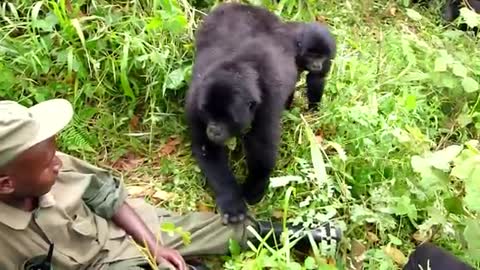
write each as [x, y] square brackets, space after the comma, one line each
[392, 156]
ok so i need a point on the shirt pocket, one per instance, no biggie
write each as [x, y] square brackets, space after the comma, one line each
[79, 236]
[84, 227]
[86, 238]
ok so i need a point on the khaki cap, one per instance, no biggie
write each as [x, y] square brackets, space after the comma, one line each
[22, 127]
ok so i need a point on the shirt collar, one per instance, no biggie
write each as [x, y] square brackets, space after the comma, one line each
[14, 218]
[19, 219]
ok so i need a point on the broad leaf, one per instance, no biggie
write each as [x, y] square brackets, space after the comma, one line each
[459, 70]
[464, 164]
[175, 79]
[440, 64]
[472, 236]
[413, 14]
[464, 119]
[472, 19]
[469, 85]
[411, 102]
[472, 188]
[310, 263]
[234, 247]
[441, 159]
[405, 207]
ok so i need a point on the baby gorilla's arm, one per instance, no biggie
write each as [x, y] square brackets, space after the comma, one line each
[128, 220]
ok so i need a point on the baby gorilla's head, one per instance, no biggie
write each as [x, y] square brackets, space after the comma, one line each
[228, 102]
[315, 46]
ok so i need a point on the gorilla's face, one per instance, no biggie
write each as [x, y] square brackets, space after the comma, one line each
[315, 46]
[228, 110]
[313, 61]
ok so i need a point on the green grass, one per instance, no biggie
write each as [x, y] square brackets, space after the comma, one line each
[402, 86]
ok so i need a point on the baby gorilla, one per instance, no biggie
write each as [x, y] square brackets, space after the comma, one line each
[246, 66]
[315, 49]
[451, 10]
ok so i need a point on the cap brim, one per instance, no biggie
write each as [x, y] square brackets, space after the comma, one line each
[52, 116]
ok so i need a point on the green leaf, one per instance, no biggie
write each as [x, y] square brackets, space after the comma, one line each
[7, 79]
[36, 9]
[447, 81]
[178, 24]
[310, 263]
[78, 28]
[454, 205]
[436, 215]
[416, 76]
[419, 164]
[441, 159]
[127, 90]
[40, 96]
[431, 178]
[469, 85]
[440, 64]
[472, 188]
[408, 51]
[234, 247]
[405, 207]
[412, 14]
[294, 266]
[472, 233]
[459, 70]
[464, 119]
[175, 24]
[46, 24]
[471, 18]
[175, 79]
[168, 226]
[464, 164]
[316, 155]
[411, 102]
[467, 168]
[394, 240]
[154, 24]
[231, 143]
[433, 181]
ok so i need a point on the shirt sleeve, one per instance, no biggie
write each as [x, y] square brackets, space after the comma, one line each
[105, 192]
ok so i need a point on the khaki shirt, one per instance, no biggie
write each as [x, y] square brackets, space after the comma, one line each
[75, 216]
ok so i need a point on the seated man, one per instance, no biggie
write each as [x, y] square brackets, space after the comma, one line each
[61, 212]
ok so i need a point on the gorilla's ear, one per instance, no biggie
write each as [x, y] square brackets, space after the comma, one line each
[300, 39]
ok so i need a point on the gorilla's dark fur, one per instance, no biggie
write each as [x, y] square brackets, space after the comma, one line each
[451, 10]
[246, 66]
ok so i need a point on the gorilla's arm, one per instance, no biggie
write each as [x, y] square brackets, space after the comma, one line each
[213, 161]
[316, 85]
[261, 151]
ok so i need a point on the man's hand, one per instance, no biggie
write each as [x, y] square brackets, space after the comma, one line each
[128, 220]
[172, 256]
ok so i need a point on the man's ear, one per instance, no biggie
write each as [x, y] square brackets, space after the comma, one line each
[6, 185]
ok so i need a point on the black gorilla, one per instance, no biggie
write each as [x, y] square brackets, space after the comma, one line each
[245, 69]
[451, 9]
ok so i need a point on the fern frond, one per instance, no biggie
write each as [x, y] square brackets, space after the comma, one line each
[75, 136]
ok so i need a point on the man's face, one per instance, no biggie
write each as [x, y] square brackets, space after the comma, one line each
[33, 173]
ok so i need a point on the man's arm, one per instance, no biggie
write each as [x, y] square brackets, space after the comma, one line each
[127, 219]
[105, 196]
